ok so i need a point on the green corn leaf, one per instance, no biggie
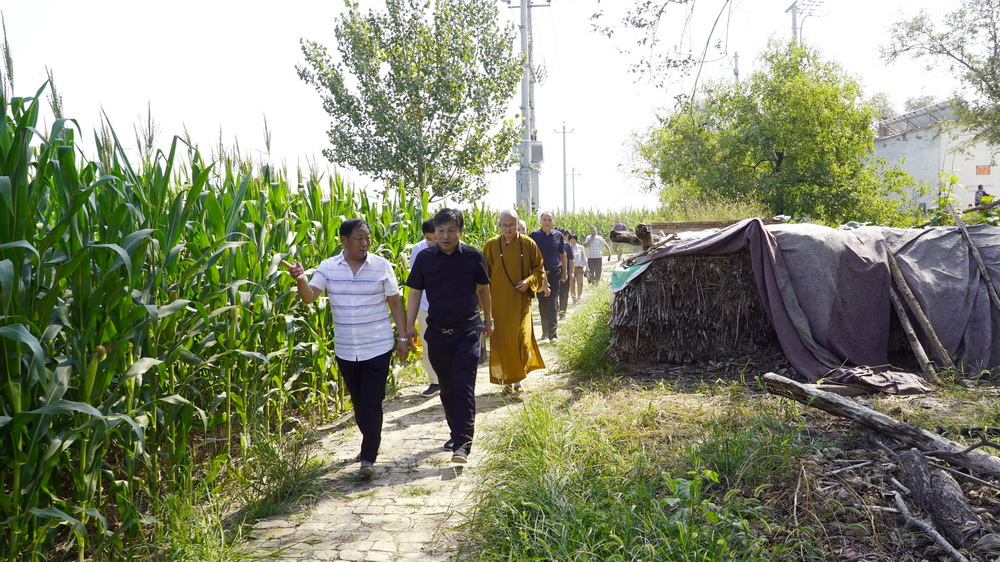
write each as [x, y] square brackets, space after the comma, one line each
[36, 359]
[140, 367]
[6, 284]
[20, 244]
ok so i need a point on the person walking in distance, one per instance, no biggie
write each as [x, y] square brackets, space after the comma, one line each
[428, 231]
[595, 245]
[359, 285]
[579, 265]
[980, 193]
[618, 245]
[515, 267]
[550, 242]
[455, 278]
[570, 264]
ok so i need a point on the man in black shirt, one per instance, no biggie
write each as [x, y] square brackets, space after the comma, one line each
[551, 244]
[455, 277]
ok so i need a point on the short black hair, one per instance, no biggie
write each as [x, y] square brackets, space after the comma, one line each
[447, 215]
[348, 227]
[573, 237]
[427, 227]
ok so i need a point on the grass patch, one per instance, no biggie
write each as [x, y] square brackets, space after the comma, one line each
[585, 336]
[634, 476]
[275, 472]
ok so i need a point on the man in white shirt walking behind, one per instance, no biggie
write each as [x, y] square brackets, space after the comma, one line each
[595, 246]
[359, 285]
[428, 242]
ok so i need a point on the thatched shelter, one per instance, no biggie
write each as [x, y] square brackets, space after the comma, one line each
[833, 300]
[691, 309]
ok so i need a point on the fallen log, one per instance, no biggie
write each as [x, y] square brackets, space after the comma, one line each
[940, 496]
[927, 528]
[641, 236]
[923, 440]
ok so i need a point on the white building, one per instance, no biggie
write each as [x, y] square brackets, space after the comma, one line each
[926, 143]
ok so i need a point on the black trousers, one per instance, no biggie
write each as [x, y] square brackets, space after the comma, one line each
[548, 307]
[594, 272]
[455, 358]
[564, 295]
[365, 382]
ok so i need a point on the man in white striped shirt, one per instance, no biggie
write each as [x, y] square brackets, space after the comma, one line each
[595, 246]
[359, 285]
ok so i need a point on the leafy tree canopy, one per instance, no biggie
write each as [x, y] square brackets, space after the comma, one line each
[418, 94]
[966, 44]
[917, 102]
[796, 136]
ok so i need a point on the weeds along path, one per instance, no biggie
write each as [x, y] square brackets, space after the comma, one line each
[410, 509]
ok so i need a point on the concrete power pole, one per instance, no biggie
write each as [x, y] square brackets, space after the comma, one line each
[527, 193]
[807, 8]
[573, 175]
[563, 133]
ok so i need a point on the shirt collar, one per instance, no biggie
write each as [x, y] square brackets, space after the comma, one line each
[340, 259]
[436, 248]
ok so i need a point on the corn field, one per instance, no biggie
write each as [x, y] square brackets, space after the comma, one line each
[146, 332]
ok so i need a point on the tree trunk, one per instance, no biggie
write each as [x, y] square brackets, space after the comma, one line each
[974, 460]
[940, 496]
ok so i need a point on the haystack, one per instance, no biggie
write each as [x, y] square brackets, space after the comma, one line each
[692, 309]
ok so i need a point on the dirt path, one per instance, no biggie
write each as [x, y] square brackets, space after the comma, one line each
[408, 510]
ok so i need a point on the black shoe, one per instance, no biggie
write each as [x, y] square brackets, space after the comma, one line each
[431, 390]
[449, 445]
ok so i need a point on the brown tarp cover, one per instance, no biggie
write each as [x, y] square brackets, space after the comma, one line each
[826, 291]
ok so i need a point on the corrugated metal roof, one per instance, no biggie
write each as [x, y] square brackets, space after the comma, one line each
[917, 119]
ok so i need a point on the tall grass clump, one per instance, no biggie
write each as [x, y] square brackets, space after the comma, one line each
[585, 338]
[150, 348]
[562, 485]
[711, 209]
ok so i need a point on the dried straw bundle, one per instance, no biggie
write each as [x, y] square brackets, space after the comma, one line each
[690, 309]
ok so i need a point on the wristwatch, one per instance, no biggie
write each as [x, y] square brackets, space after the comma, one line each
[402, 339]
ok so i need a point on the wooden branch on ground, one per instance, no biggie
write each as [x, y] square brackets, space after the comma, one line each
[974, 460]
[940, 496]
[940, 353]
[925, 527]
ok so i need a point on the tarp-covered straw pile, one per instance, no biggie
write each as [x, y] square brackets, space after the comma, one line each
[691, 309]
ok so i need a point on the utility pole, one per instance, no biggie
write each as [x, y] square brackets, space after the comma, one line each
[807, 8]
[527, 192]
[563, 133]
[574, 174]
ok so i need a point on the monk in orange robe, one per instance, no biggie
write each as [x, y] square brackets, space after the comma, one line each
[514, 263]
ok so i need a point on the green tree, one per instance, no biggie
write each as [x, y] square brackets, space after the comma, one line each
[918, 102]
[418, 94]
[967, 45]
[884, 108]
[796, 135]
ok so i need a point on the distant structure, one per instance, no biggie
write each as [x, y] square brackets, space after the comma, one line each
[926, 142]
